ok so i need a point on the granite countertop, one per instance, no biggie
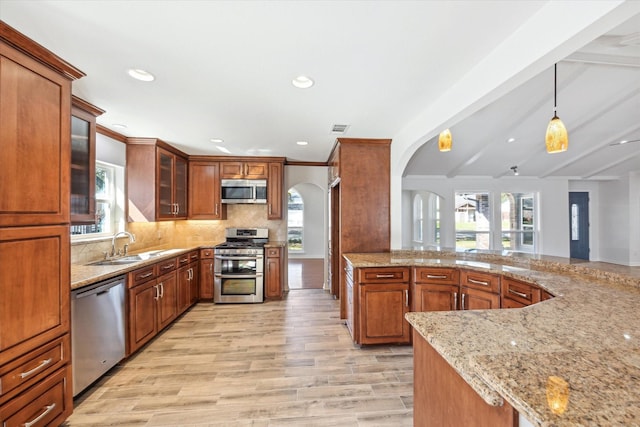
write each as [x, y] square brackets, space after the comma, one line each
[87, 274]
[588, 336]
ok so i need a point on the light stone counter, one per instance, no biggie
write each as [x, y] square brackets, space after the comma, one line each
[588, 335]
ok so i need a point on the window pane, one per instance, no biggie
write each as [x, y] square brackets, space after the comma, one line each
[518, 221]
[295, 221]
[473, 221]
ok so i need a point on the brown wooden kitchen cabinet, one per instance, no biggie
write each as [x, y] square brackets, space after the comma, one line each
[479, 290]
[157, 180]
[152, 302]
[35, 129]
[205, 292]
[275, 191]
[243, 170]
[516, 293]
[187, 280]
[380, 301]
[360, 204]
[204, 191]
[435, 289]
[83, 161]
[274, 274]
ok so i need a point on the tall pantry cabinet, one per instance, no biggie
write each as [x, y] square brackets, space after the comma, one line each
[35, 150]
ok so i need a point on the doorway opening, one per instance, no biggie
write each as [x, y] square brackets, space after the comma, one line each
[305, 236]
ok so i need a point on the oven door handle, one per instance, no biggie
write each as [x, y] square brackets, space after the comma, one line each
[238, 276]
[239, 258]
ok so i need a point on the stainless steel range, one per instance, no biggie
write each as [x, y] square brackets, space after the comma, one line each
[239, 265]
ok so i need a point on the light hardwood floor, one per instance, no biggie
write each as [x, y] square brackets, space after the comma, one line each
[283, 363]
[306, 273]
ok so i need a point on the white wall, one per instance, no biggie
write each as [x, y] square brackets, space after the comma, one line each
[615, 221]
[110, 151]
[311, 183]
[553, 238]
[634, 215]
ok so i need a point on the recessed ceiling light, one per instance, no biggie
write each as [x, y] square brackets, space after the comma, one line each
[217, 140]
[140, 74]
[511, 140]
[119, 126]
[624, 141]
[223, 149]
[302, 143]
[302, 82]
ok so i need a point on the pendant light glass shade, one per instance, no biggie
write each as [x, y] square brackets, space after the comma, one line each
[444, 140]
[556, 139]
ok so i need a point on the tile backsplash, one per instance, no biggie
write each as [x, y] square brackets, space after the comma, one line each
[178, 234]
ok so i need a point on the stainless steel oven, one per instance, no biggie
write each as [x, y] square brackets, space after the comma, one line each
[238, 267]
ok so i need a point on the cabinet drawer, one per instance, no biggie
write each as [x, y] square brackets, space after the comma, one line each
[166, 266]
[482, 281]
[522, 292]
[383, 275]
[273, 252]
[142, 275]
[206, 253]
[34, 366]
[183, 260]
[48, 403]
[509, 303]
[445, 276]
[193, 256]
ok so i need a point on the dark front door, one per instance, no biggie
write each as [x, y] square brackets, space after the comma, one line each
[579, 225]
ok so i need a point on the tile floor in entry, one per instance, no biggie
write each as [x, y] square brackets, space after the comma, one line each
[281, 363]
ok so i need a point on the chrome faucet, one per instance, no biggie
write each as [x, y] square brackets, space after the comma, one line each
[132, 239]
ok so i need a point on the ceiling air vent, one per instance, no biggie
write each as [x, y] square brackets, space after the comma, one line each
[339, 128]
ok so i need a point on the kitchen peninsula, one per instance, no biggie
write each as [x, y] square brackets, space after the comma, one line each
[570, 360]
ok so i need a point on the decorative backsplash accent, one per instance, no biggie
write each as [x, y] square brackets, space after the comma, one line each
[179, 234]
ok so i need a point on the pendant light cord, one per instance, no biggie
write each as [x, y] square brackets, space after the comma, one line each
[555, 88]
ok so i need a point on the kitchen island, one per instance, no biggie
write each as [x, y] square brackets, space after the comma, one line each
[571, 360]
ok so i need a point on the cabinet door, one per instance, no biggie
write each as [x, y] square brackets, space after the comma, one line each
[184, 289]
[255, 170]
[193, 284]
[164, 183]
[274, 191]
[83, 167]
[204, 191]
[430, 297]
[273, 288]
[168, 301]
[473, 299]
[35, 125]
[206, 279]
[34, 287]
[142, 314]
[180, 188]
[382, 310]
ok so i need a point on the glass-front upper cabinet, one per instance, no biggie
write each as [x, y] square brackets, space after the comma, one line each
[83, 161]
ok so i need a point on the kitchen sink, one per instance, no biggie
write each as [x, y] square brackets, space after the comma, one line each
[118, 261]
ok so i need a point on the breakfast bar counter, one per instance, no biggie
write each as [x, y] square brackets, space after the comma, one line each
[573, 360]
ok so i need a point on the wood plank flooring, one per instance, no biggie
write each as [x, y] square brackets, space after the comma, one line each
[306, 273]
[282, 363]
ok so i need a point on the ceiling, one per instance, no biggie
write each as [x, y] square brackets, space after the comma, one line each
[224, 68]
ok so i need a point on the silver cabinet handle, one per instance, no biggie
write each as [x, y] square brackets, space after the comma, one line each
[455, 300]
[384, 276]
[144, 276]
[183, 260]
[216, 212]
[157, 293]
[520, 294]
[269, 208]
[41, 416]
[478, 282]
[406, 298]
[36, 369]
[435, 276]
[462, 305]
[167, 266]
[161, 285]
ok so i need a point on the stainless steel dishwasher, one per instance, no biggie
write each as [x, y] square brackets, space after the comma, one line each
[97, 330]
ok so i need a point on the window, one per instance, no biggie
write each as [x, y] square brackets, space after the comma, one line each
[295, 221]
[473, 221]
[109, 212]
[417, 219]
[518, 222]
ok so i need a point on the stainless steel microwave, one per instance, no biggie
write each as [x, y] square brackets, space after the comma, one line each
[244, 190]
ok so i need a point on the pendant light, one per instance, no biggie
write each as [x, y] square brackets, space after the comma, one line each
[557, 139]
[444, 140]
